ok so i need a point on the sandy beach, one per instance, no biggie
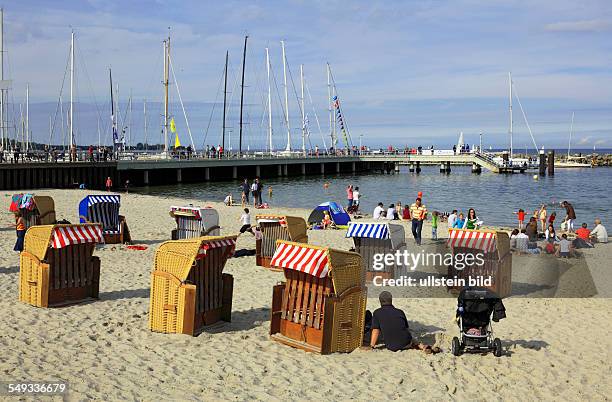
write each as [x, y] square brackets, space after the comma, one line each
[555, 348]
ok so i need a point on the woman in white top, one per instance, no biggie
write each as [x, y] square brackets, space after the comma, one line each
[391, 212]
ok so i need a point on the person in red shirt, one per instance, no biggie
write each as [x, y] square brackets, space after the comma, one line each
[109, 184]
[521, 218]
[583, 233]
[551, 218]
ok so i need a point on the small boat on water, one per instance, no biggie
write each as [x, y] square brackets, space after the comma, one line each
[573, 161]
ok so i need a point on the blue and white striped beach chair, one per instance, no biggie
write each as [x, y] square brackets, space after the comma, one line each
[104, 209]
[372, 238]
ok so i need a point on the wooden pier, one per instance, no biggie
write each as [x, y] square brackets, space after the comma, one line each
[153, 172]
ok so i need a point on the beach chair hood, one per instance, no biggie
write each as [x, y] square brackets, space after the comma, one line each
[177, 257]
[296, 226]
[40, 238]
[488, 241]
[378, 230]
[103, 209]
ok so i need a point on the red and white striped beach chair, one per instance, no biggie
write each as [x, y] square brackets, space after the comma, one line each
[57, 265]
[495, 249]
[321, 305]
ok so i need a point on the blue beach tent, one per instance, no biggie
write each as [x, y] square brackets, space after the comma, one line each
[103, 209]
[336, 212]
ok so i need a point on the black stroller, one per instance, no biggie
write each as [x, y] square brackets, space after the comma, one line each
[476, 307]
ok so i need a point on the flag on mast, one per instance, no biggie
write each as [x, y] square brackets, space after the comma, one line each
[177, 142]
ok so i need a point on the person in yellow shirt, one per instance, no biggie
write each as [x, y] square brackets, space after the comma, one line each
[418, 211]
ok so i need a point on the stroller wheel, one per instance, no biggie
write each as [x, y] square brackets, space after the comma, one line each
[497, 347]
[456, 347]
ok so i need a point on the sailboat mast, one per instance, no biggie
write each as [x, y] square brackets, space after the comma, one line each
[2, 90]
[329, 102]
[510, 103]
[166, 78]
[27, 118]
[303, 110]
[71, 90]
[242, 93]
[113, 118]
[224, 99]
[144, 110]
[130, 122]
[569, 144]
[288, 148]
[269, 101]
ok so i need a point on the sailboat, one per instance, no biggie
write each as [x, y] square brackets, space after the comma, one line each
[573, 161]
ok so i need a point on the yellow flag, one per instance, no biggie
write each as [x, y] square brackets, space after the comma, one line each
[177, 142]
[172, 126]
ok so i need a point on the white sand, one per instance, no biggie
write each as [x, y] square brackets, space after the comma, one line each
[556, 348]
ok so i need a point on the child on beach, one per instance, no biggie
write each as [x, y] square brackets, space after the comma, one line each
[229, 201]
[542, 216]
[434, 225]
[245, 218]
[326, 222]
[521, 218]
[270, 193]
[21, 230]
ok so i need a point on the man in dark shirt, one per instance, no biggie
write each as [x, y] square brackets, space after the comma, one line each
[391, 322]
[570, 215]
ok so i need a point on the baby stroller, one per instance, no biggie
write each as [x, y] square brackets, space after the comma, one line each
[476, 307]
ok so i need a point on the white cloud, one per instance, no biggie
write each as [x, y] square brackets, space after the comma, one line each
[597, 25]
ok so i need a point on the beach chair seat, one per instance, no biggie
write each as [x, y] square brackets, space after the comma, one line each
[371, 238]
[277, 227]
[57, 265]
[193, 221]
[321, 305]
[188, 287]
[104, 209]
[494, 245]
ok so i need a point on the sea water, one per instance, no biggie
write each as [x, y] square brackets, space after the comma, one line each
[494, 196]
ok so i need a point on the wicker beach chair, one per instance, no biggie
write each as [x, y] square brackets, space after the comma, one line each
[40, 212]
[104, 209]
[321, 305]
[188, 287]
[57, 265]
[372, 238]
[277, 227]
[194, 222]
[495, 247]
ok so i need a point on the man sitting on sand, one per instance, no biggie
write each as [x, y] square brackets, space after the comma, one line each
[599, 233]
[392, 324]
[583, 237]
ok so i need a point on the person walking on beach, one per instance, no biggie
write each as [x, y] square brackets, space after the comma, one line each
[244, 187]
[259, 190]
[109, 184]
[418, 212]
[254, 193]
[570, 215]
[434, 225]
[543, 214]
[21, 230]
[270, 193]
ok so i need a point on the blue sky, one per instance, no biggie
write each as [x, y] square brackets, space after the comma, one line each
[407, 72]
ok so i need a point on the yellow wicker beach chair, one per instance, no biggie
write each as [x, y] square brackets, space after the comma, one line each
[57, 265]
[321, 305]
[277, 227]
[371, 238]
[495, 247]
[188, 287]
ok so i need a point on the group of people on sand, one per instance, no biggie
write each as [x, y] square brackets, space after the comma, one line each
[525, 238]
[253, 189]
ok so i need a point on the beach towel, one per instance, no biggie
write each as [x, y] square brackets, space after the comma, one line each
[15, 202]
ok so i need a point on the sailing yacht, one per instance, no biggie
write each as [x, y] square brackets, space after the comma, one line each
[573, 161]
